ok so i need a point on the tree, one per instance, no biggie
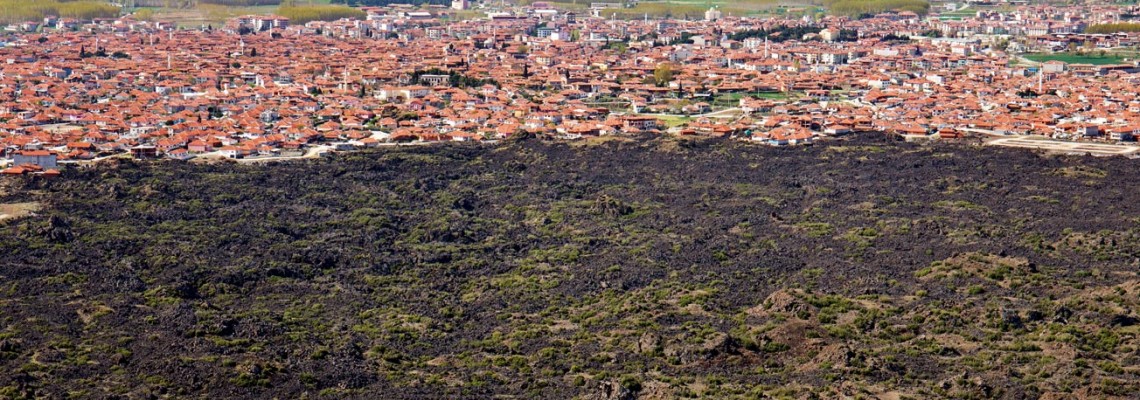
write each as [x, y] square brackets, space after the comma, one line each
[1002, 45]
[253, 52]
[144, 14]
[663, 74]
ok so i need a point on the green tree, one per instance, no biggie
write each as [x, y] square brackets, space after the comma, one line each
[144, 14]
[663, 74]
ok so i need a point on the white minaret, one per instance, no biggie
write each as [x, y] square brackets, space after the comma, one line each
[169, 61]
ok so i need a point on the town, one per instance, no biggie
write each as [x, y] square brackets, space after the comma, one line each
[260, 87]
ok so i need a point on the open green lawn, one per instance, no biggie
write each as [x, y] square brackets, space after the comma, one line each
[1075, 58]
[674, 121]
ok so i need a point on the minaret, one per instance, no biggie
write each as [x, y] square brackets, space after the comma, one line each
[242, 43]
[169, 61]
[1040, 80]
[345, 83]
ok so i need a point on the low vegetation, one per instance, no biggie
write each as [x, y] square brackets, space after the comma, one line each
[307, 13]
[859, 8]
[243, 3]
[1097, 58]
[652, 268]
[15, 11]
[1114, 28]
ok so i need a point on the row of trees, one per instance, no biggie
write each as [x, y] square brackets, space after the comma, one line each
[1114, 28]
[303, 14]
[101, 52]
[860, 8]
[13, 11]
[242, 3]
[784, 33]
[454, 78]
[381, 3]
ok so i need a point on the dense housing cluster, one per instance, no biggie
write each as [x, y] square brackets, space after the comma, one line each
[261, 86]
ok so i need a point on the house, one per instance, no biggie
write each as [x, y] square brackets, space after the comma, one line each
[829, 34]
[179, 154]
[1053, 67]
[230, 152]
[1123, 133]
[640, 123]
[30, 169]
[1088, 130]
[40, 158]
[199, 146]
[144, 151]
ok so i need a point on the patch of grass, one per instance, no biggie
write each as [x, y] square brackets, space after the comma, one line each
[674, 120]
[1077, 58]
[959, 205]
[816, 229]
[1079, 171]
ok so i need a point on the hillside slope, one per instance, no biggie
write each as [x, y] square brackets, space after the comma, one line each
[651, 269]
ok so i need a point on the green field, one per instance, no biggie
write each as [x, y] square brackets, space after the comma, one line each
[696, 8]
[208, 14]
[1076, 58]
[674, 121]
